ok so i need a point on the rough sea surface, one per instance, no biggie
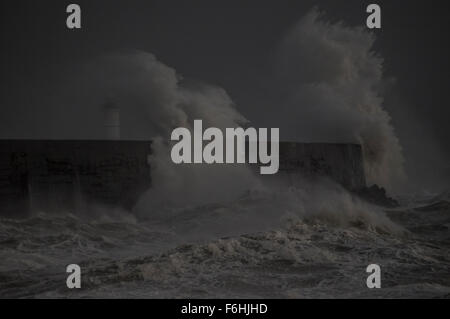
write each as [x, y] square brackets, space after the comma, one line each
[232, 251]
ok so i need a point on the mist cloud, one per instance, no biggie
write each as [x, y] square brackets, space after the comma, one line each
[154, 99]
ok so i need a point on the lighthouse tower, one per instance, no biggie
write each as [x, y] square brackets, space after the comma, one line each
[111, 121]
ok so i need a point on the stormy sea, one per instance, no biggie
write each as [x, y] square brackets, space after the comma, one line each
[296, 242]
[208, 232]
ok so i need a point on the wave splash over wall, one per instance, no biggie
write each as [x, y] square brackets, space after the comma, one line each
[332, 87]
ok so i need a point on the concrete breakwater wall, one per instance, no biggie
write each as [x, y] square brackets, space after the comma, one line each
[57, 175]
[342, 163]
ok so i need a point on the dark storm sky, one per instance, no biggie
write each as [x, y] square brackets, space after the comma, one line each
[227, 43]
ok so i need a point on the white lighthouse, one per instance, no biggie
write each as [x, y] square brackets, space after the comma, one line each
[112, 120]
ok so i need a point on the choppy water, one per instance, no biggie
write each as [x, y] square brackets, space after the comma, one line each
[235, 250]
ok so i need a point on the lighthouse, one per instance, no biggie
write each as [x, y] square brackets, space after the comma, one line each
[111, 121]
